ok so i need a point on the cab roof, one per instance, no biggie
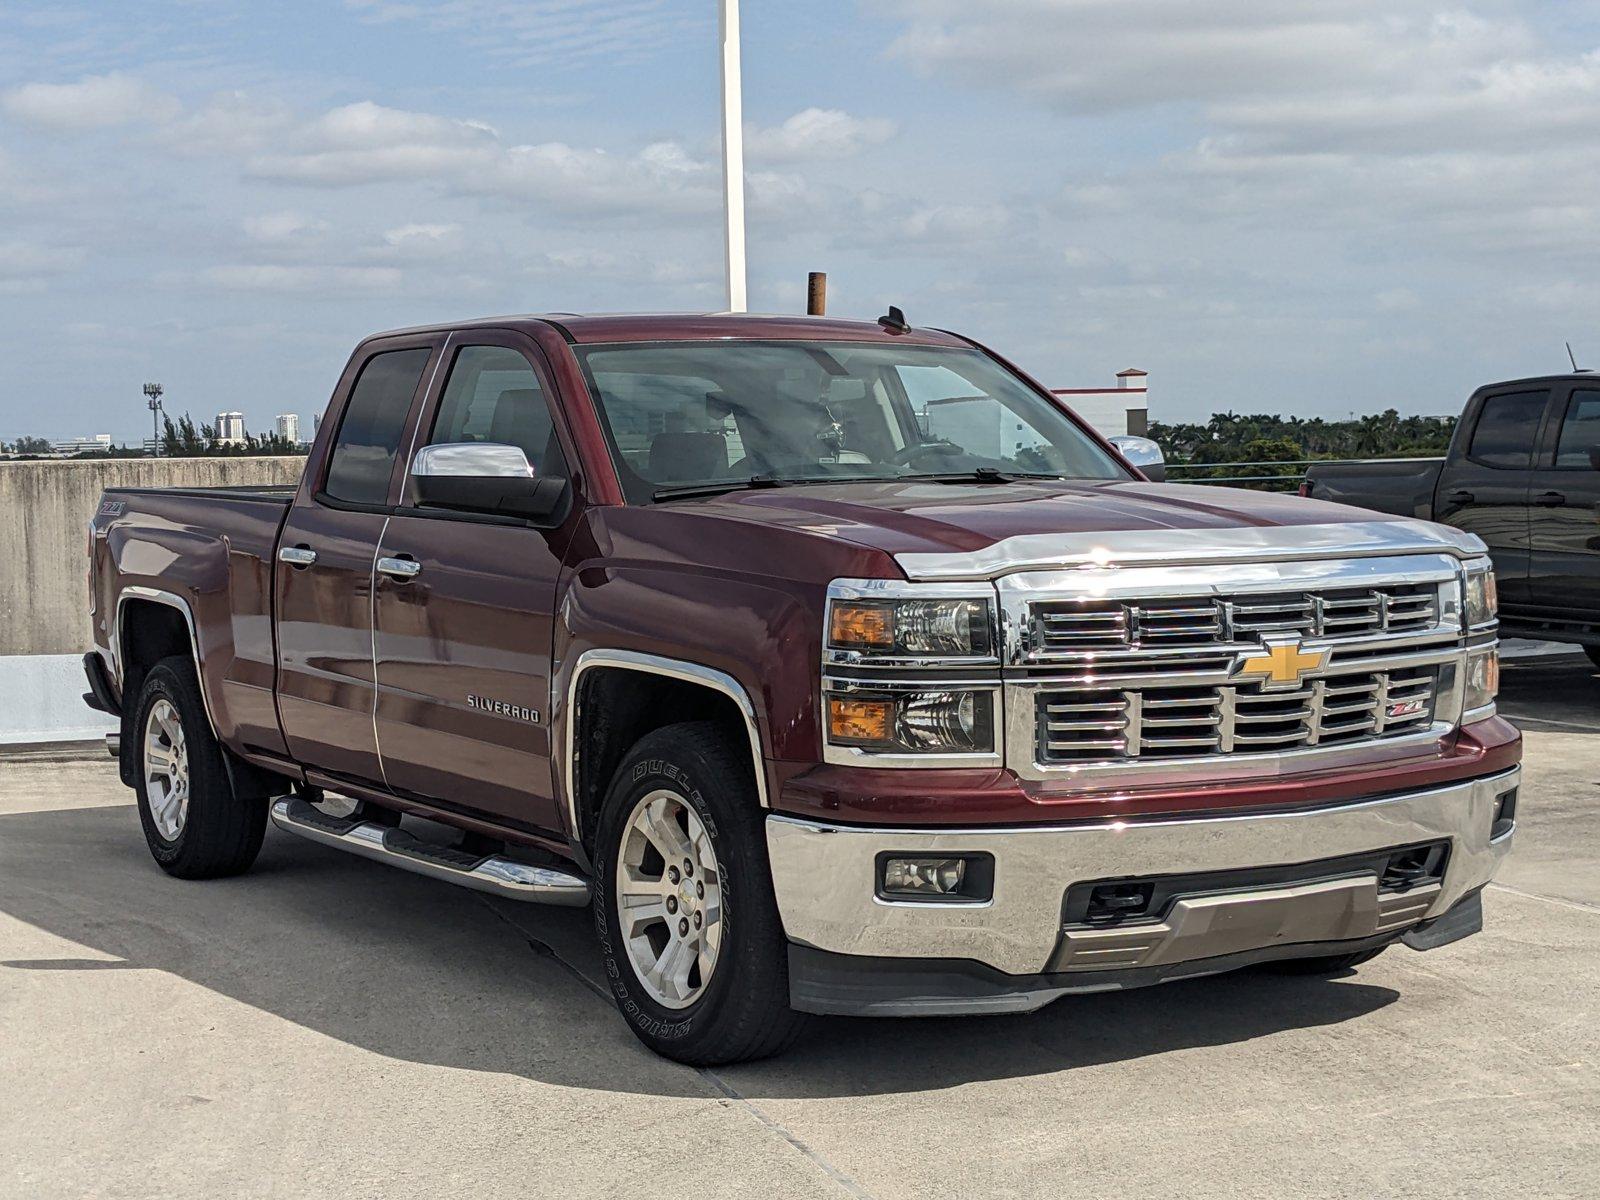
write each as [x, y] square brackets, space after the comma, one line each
[596, 328]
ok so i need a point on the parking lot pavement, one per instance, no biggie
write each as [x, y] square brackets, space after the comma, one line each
[326, 1026]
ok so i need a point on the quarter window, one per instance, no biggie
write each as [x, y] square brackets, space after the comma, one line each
[1580, 432]
[493, 395]
[368, 441]
[1507, 427]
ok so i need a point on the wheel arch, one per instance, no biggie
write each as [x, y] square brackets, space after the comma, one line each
[676, 690]
[149, 625]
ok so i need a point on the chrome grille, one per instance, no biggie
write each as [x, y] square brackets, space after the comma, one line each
[1073, 626]
[1152, 721]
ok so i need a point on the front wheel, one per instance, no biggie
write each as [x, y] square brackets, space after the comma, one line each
[693, 946]
[194, 823]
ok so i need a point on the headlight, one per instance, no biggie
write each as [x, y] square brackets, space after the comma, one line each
[1482, 599]
[901, 629]
[942, 721]
[1483, 680]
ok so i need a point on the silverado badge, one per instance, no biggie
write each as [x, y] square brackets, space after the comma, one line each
[1280, 663]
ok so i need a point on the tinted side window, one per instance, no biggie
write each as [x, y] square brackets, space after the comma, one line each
[369, 435]
[1580, 432]
[493, 395]
[1507, 426]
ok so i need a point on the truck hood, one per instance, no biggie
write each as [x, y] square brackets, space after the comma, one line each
[958, 530]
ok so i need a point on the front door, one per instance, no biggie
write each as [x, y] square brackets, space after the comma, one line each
[1484, 487]
[324, 574]
[465, 609]
[1565, 514]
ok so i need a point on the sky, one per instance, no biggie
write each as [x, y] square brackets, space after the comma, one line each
[1315, 207]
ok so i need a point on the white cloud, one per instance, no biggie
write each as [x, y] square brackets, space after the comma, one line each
[282, 228]
[414, 234]
[367, 143]
[817, 133]
[560, 33]
[94, 102]
[272, 277]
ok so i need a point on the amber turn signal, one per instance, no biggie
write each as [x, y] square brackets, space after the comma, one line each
[859, 722]
[861, 625]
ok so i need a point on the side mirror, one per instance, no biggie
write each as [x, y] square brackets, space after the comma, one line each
[484, 477]
[1144, 453]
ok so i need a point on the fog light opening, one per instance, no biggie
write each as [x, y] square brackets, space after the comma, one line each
[1505, 815]
[947, 878]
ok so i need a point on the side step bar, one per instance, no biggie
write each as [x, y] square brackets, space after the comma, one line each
[492, 874]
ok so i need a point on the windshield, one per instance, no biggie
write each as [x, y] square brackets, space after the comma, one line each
[681, 415]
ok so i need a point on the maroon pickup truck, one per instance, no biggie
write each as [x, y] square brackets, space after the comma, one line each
[832, 663]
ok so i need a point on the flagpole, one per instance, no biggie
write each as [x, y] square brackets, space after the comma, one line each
[732, 157]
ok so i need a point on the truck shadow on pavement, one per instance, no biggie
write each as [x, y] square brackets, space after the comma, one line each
[420, 971]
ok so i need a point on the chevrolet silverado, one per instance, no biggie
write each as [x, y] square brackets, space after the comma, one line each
[833, 664]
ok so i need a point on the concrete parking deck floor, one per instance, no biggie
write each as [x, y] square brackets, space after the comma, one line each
[325, 1026]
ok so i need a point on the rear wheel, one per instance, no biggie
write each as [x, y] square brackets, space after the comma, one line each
[194, 824]
[1331, 964]
[1594, 654]
[693, 946]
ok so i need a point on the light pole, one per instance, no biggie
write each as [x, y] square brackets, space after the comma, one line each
[732, 156]
[152, 393]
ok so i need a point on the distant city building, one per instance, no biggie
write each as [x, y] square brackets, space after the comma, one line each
[99, 442]
[288, 426]
[1115, 410]
[230, 428]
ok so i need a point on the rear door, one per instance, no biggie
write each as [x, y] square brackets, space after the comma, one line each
[465, 606]
[323, 581]
[1565, 494]
[1483, 488]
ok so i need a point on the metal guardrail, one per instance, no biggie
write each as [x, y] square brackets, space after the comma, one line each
[1249, 474]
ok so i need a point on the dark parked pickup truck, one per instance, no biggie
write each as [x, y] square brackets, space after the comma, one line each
[836, 666]
[1523, 474]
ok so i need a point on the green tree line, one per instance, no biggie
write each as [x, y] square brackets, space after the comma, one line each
[179, 439]
[185, 439]
[1230, 437]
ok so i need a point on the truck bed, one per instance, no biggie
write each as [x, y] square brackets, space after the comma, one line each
[1401, 486]
[208, 551]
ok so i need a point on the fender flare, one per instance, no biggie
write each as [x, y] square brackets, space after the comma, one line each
[647, 664]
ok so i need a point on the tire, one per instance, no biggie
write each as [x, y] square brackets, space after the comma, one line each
[1332, 964]
[1594, 654]
[201, 829]
[690, 775]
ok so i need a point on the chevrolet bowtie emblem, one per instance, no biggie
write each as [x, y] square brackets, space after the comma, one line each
[1282, 663]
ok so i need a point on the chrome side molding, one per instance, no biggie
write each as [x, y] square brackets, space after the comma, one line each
[492, 874]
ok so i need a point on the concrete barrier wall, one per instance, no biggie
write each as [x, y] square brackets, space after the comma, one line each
[44, 506]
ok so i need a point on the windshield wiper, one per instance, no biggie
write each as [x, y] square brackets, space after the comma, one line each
[981, 475]
[688, 490]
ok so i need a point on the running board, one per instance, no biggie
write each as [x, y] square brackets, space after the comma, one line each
[492, 874]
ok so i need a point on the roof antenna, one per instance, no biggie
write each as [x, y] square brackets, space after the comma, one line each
[894, 321]
[1572, 360]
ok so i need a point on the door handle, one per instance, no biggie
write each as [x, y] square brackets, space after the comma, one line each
[1550, 500]
[1460, 497]
[297, 556]
[400, 568]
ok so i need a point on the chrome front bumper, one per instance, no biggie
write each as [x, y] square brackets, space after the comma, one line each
[825, 880]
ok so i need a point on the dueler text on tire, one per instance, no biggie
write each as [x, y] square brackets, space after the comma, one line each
[694, 951]
[196, 827]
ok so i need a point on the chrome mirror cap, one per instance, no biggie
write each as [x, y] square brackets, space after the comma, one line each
[476, 460]
[1142, 452]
